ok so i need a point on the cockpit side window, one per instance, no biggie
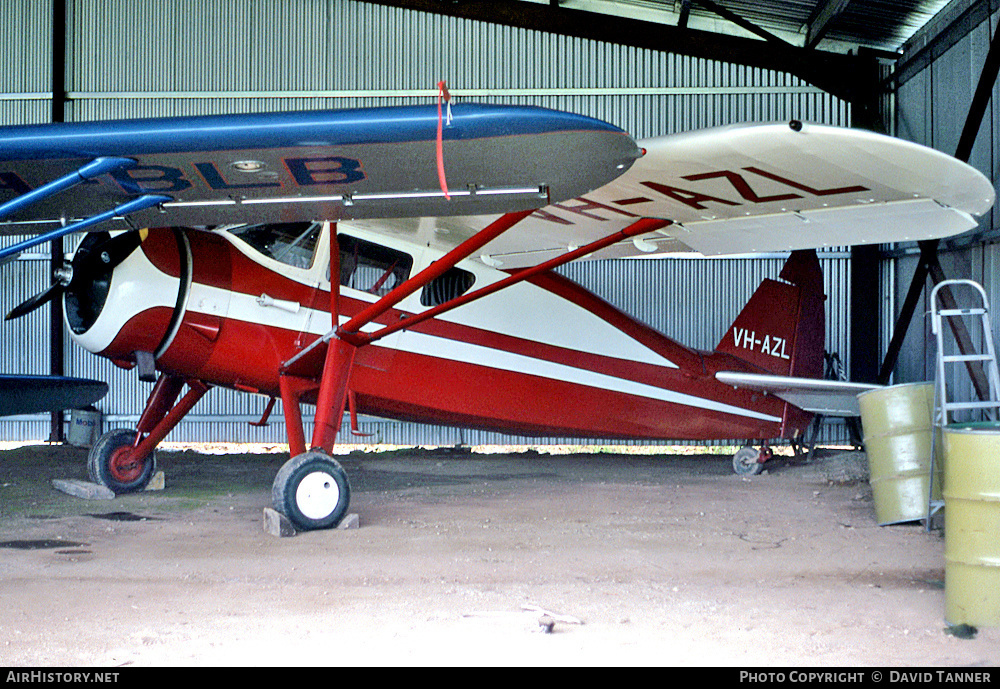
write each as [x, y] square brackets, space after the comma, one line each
[292, 243]
[371, 267]
[451, 285]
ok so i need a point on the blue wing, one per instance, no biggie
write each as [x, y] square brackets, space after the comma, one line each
[330, 165]
[31, 394]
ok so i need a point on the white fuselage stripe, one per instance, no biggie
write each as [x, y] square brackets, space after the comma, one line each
[455, 350]
[246, 308]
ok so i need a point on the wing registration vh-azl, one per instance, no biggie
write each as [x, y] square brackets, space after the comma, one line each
[322, 258]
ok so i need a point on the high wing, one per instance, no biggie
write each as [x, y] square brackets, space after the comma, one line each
[729, 190]
[30, 394]
[284, 167]
[748, 189]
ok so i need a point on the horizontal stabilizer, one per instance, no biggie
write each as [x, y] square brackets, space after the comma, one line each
[814, 395]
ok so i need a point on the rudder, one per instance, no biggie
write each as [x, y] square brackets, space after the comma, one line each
[782, 328]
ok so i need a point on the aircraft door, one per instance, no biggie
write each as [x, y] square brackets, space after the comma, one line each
[369, 271]
[315, 315]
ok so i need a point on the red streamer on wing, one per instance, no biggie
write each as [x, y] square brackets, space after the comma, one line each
[442, 95]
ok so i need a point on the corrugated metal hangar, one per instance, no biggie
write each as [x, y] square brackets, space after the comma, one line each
[460, 230]
[922, 70]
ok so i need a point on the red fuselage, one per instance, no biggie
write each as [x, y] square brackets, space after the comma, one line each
[543, 358]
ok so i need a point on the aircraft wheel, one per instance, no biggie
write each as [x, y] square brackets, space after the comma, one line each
[746, 461]
[312, 491]
[110, 464]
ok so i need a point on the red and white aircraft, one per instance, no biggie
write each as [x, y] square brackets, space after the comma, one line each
[397, 263]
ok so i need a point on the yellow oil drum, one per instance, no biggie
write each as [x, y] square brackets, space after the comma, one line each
[897, 423]
[972, 524]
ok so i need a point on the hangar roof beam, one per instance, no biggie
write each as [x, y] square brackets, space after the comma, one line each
[835, 73]
[819, 22]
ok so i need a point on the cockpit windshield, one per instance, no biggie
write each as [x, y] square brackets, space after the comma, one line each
[292, 243]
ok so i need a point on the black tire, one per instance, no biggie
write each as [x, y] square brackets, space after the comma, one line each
[312, 491]
[105, 463]
[746, 461]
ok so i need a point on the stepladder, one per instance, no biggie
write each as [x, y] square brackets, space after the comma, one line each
[966, 380]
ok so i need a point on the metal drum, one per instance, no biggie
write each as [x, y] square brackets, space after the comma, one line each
[84, 427]
[972, 524]
[897, 424]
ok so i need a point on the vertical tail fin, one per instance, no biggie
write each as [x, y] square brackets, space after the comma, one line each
[782, 329]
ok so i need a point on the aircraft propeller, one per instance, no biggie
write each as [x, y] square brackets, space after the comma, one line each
[96, 257]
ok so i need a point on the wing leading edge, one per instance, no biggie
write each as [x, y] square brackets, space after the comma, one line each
[330, 165]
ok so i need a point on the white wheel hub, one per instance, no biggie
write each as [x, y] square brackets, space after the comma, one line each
[317, 495]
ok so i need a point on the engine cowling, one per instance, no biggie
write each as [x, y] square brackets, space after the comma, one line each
[129, 304]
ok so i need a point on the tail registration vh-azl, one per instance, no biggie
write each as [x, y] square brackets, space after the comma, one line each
[392, 262]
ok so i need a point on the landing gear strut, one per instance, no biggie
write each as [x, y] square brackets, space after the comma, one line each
[123, 459]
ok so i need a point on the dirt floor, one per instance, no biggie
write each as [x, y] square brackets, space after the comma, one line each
[665, 560]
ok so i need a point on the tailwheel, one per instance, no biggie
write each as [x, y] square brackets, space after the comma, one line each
[311, 489]
[111, 462]
[749, 461]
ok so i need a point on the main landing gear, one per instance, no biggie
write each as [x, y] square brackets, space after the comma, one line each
[123, 459]
[112, 463]
[311, 489]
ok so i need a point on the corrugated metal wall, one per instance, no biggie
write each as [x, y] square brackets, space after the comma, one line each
[25, 49]
[931, 108]
[137, 58]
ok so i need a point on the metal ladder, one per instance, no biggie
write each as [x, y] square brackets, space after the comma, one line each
[988, 360]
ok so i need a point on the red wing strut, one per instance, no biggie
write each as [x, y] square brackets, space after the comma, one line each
[342, 342]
